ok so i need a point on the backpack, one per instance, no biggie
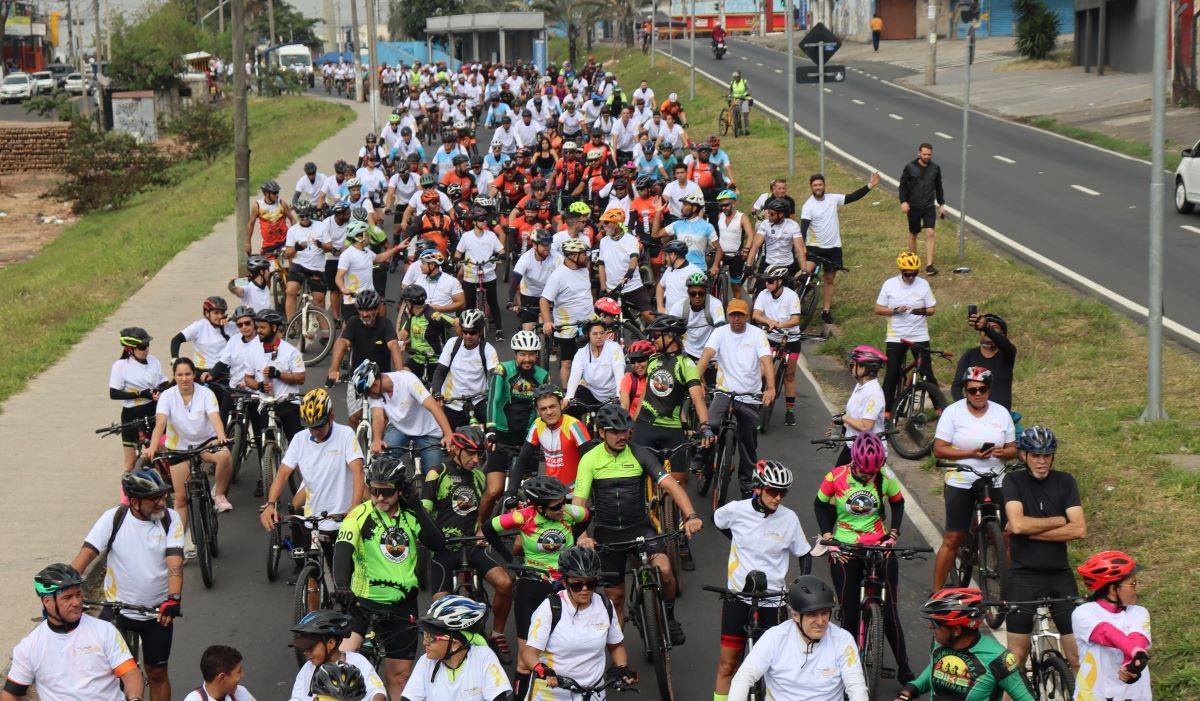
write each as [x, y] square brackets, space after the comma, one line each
[482, 359]
[556, 610]
[119, 518]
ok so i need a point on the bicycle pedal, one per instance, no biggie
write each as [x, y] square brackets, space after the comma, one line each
[298, 554]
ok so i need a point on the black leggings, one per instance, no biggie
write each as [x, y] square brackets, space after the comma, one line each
[492, 300]
[847, 580]
[896, 355]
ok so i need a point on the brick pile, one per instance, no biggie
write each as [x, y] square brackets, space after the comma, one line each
[38, 146]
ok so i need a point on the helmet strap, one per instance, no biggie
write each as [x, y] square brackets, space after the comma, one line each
[760, 507]
[55, 620]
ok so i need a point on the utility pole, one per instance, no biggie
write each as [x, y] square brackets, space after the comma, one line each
[74, 57]
[962, 183]
[96, 41]
[372, 69]
[791, 90]
[931, 59]
[653, 30]
[241, 134]
[358, 84]
[220, 18]
[107, 31]
[271, 22]
[692, 27]
[1154, 407]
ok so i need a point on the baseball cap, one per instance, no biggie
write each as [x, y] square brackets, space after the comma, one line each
[737, 306]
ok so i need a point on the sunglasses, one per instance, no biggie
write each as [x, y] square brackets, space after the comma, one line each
[775, 491]
[471, 332]
[430, 637]
[579, 585]
[555, 507]
[976, 391]
[385, 492]
[245, 324]
[696, 293]
[908, 274]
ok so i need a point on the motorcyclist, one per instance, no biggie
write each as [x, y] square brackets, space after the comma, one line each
[718, 34]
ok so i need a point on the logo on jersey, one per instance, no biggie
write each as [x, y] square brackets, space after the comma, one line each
[661, 383]
[523, 388]
[953, 671]
[862, 502]
[463, 500]
[394, 544]
[551, 540]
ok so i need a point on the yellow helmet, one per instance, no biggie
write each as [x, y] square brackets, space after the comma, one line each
[908, 261]
[315, 408]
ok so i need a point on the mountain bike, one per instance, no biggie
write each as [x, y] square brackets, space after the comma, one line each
[466, 581]
[646, 607]
[272, 440]
[312, 582]
[374, 646]
[311, 327]
[241, 431]
[664, 512]
[145, 427]
[755, 627]
[732, 117]
[872, 602]
[481, 302]
[722, 471]
[628, 326]
[202, 513]
[809, 288]
[918, 405]
[983, 556]
[109, 611]
[1046, 670]
[780, 361]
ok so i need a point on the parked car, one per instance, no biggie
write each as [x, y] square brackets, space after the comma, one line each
[74, 83]
[1187, 180]
[60, 71]
[44, 82]
[16, 87]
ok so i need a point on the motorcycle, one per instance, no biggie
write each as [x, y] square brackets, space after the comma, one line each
[719, 51]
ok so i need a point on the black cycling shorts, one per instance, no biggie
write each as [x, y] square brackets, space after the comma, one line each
[528, 595]
[567, 347]
[129, 434]
[660, 438]
[1029, 585]
[921, 218]
[446, 563]
[613, 563]
[316, 278]
[833, 255]
[638, 300]
[735, 265]
[397, 632]
[504, 453]
[331, 275]
[735, 616]
[156, 638]
[529, 311]
[960, 508]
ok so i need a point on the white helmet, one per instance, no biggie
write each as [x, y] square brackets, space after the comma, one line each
[570, 146]
[574, 246]
[693, 198]
[471, 319]
[769, 473]
[454, 613]
[526, 340]
[594, 153]
[353, 182]
[673, 97]
[460, 124]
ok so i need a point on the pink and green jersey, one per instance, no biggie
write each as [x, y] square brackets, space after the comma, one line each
[859, 505]
[542, 539]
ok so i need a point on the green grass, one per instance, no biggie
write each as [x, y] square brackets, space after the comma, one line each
[1081, 370]
[49, 302]
[1136, 149]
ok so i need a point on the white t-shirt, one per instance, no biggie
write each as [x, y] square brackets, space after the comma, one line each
[207, 341]
[467, 375]
[403, 406]
[137, 563]
[131, 376]
[405, 189]
[673, 282]
[256, 297]
[237, 356]
[577, 646]
[325, 467]
[1099, 664]
[730, 233]
[310, 189]
[781, 660]
[896, 293]
[615, 255]
[601, 374]
[700, 325]
[479, 678]
[866, 402]
[370, 678]
[737, 357]
[286, 358]
[534, 273]
[825, 229]
[777, 240]
[82, 664]
[624, 134]
[570, 295]
[311, 256]
[188, 424]
[780, 309]
[760, 543]
[239, 694]
[961, 429]
[336, 234]
[438, 292]
[358, 264]
[334, 190]
[372, 179]
[479, 246]
[674, 192]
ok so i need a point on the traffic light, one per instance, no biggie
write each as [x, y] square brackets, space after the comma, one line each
[970, 12]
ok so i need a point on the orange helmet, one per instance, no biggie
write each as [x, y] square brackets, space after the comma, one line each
[1106, 568]
[615, 215]
[955, 606]
[430, 196]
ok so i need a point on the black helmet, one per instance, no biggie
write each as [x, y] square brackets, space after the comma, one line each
[644, 181]
[323, 623]
[371, 137]
[142, 484]
[460, 158]
[677, 247]
[611, 417]
[358, 214]
[54, 578]
[386, 469]
[257, 264]
[810, 593]
[270, 186]
[1038, 440]
[667, 324]
[367, 299]
[340, 206]
[542, 490]
[542, 236]
[269, 316]
[414, 294]
[578, 561]
[303, 208]
[547, 389]
[241, 311]
[133, 336]
[338, 680]
[778, 204]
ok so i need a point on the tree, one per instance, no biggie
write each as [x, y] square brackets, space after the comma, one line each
[1037, 29]
[408, 16]
[291, 26]
[573, 14]
[4, 8]
[147, 54]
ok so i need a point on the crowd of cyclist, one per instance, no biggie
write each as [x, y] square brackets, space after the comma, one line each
[606, 211]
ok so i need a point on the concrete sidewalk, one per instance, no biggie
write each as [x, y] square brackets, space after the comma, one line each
[60, 476]
[905, 53]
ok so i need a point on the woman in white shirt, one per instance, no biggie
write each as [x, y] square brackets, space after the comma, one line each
[135, 381]
[187, 415]
[907, 302]
[671, 133]
[1112, 631]
[597, 368]
[864, 408]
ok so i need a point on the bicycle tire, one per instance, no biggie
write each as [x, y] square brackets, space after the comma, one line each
[658, 650]
[724, 470]
[213, 525]
[306, 329]
[274, 554]
[723, 122]
[764, 414]
[872, 655]
[723, 287]
[196, 522]
[267, 466]
[300, 607]
[993, 566]
[808, 305]
[278, 290]
[675, 547]
[916, 415]
[629, 332]
[1054, 681]
[237, 449]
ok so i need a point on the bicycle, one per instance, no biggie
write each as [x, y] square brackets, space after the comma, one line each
[590, 692]
[625, 330]
[272, 439]
[311, 326]
[109, 611]
[983, 555]
[145, 426]
[663, 510]
[810, 288]
[240, 429]
[718, 476]
[754, 627]
[1046, 670]
[202, 512]
[918, 405]
[873, 600]
[481, 302]
[374, 647]
[466, 581]
[646, 608]
[734, 115]
[780, 360]
[328, 82]
[312, 590]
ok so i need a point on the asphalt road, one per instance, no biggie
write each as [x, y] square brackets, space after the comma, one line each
[1084, 208]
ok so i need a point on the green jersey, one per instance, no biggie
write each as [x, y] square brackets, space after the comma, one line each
[451, 495]
[385, 553]
[616, 484]
[542, 539]
[427, 334]
[669, 377]
[983, 672]
[859, 504]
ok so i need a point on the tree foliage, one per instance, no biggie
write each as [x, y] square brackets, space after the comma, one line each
[104, 170]
[147, 54]
[205, 130]
[291, 26]
[408, 16]
[1037, 29]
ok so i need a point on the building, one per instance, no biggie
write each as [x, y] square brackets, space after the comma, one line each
[1117, 34]
[489, 36]
[26, 39]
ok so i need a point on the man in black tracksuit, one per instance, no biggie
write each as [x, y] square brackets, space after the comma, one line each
[922, 199]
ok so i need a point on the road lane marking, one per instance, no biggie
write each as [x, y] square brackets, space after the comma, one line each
[758, 63]
[1189, 227]
[828, 90]
[1004, 159]
[1086, 190]
[944, 135]
[858, 102]
[778, 71]
[895, 116]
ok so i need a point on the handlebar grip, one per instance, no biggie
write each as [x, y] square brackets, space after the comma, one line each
[715, 589]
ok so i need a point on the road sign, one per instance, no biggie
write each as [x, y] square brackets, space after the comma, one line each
[810, 75]
[820, 36]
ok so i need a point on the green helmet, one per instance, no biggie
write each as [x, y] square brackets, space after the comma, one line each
[726, 195]
[697, 280]
[54, 578]
[580, 208]
[356, 230]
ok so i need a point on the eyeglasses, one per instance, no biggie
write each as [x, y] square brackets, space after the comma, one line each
[578, 585]
[976, 391]
[778, 492]
[430, 637]
[385, 492]
[245, 324]
[696, 293]
[555, 507]
[908, 274]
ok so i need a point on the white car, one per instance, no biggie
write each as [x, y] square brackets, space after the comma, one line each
[43, 82]
[17, 86]
[1187, 180]
[74, 84]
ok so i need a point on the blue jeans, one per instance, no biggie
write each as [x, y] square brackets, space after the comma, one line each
[429, 447]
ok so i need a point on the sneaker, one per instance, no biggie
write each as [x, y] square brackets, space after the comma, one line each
[499, 335]
[675, 631]
[930, 270]
[826, 317]
[222, 504]
[499, 645]
[189, 549]
[789, 418]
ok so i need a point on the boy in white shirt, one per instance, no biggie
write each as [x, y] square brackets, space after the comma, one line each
[221, 667]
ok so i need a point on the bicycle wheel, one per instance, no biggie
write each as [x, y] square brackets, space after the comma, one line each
[628, 332]
[278, 290]
[198, 525]
[722, 287]
[764, 414]
[212, 525]
[267, 465]
[723, 122]
[723, 471]
[671, 520]
[916, 415]
[872, 652]
[237, 448]
[310, 590]
[657, 652]
[274, 553]
[1054, 681]
[311, 330]
[808, 304]
[993, 566]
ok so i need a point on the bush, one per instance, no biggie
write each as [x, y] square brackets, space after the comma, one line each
[204, 129]
[105, 170]
[56, 105]
[1037, 29]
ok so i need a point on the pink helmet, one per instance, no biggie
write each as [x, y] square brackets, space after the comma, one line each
[868, 356]
[867, 454]
[608, 305]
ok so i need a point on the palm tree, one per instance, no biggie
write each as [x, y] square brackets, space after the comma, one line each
[573, 14]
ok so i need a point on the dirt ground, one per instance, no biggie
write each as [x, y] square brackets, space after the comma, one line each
[30, 218]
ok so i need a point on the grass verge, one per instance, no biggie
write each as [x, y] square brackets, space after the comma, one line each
[1081, 370]
[49, 302]
[1057, 59]
[1136, 149]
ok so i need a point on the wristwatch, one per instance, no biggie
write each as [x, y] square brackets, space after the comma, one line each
[691, 516]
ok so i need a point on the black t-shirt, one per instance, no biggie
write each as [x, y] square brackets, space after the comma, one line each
[1041, 499]
[370, 342]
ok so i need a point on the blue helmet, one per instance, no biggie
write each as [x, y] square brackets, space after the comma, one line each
[1038, 440]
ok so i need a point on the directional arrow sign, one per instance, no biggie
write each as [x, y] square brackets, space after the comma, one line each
[816, 38]
[812, 74]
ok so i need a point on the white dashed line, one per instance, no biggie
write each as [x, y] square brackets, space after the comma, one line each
[778, 71]
[744, 58]
[1003, 159]
[895, 116]
[944, 135]
[758, 63]
[1086, 190]
[1189, 227]
[874, 77]
[828, 90]
[858, 102]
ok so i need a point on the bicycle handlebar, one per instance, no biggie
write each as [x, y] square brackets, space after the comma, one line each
[121, 606]
[207, 446]
[114, 428]
[1036, 604]
[664, 453]
[953, 466]
[731, 594]
[904, 551]
[829, 440]
[641, 541]
[568, 684]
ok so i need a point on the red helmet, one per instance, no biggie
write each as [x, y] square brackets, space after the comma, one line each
[429, 197]
[868, 356]
[608, 305]
[639, 351]
[1107, 567]
[867, 453]
[954, 606]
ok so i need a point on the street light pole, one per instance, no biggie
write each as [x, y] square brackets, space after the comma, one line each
[931, 57]
[821, 99]
[354, 41]
[1154, 407]
[372, 70]
[791, 88]
[653, 31]
[241, 133]
[692, 26]
[962, 183]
